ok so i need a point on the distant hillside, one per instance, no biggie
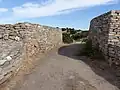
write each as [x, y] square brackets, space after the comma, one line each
[71, 34]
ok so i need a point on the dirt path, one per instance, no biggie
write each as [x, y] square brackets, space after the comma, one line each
[62, 71]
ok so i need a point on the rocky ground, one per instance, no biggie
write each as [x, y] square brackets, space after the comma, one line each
[62, 69]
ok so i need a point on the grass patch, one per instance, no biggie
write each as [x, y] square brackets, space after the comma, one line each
[67, 38]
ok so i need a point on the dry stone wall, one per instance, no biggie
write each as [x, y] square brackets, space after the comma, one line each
[24, 41]
[105, 34]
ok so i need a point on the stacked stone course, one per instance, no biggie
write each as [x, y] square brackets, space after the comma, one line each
[105, 34]
[24, 41]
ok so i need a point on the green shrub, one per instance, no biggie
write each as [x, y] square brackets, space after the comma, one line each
[76, 36]
[92, 52]
[70, 34]
[88, 50]
[84, 40]
[84, 34]
[67, 38]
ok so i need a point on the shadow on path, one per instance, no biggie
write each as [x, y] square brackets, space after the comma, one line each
[100, 67]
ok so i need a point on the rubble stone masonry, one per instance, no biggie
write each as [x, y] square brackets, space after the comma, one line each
[105, 34]
[23, 41]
